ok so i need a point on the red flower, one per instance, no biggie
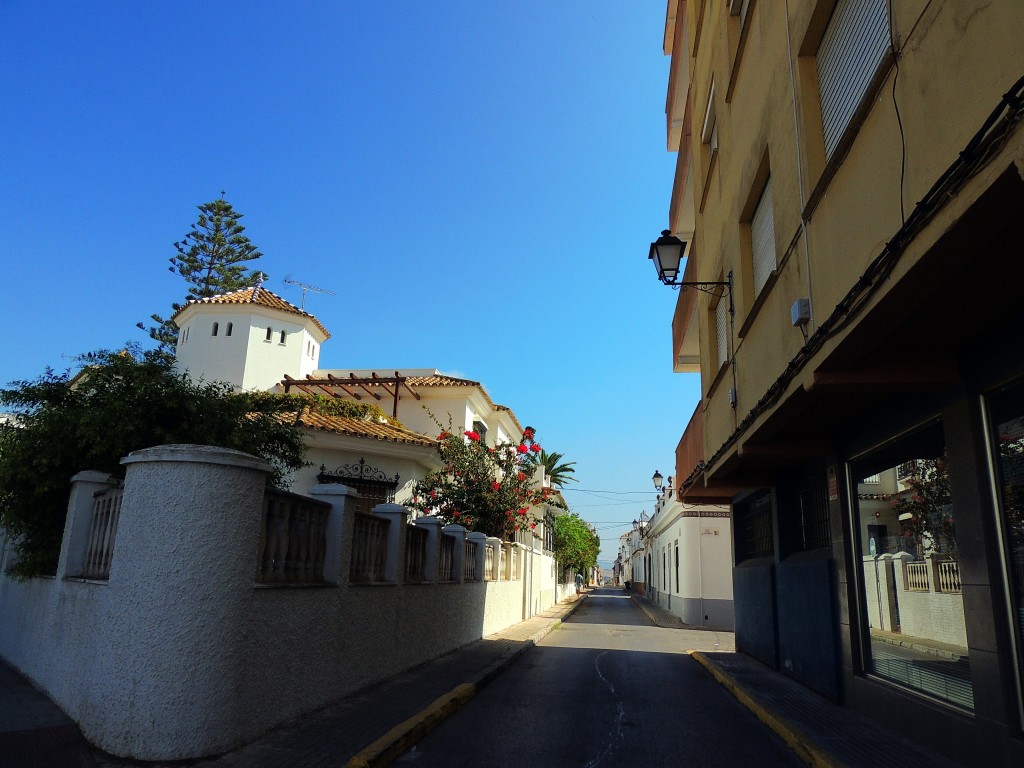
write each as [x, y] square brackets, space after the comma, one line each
[515, 527]
[455, 513]
[443, 435]
[535, 448]
[508, 513]
[521, 448]
[528, 433]
[474, 436]
[533, 525]
[523, 511]
[521, 476]
[495, 486]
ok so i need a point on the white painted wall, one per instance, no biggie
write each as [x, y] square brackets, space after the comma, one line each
[181, 655]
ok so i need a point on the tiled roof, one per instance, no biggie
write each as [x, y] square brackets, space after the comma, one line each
[359, 428]
[259, 296]
[440, 380]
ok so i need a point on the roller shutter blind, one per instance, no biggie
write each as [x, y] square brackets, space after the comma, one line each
[722, 329]
[762, 239]
[854, 46]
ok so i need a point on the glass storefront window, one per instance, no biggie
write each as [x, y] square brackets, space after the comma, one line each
[1008, 423]
[909, 567]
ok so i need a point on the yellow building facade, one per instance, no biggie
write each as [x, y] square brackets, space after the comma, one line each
[849, 174]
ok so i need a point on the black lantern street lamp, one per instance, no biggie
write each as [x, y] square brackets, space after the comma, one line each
[657, 480]
[667, 253]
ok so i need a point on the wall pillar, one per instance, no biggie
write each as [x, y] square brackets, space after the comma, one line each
[183, 570]
[495, 544]
[338, 558]
[74, 547]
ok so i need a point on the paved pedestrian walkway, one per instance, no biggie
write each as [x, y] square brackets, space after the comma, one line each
[820, 732]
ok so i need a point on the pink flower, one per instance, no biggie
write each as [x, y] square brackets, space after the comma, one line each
[521, 448]
[535, 448]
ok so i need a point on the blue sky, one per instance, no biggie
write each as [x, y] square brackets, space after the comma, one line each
[477, 182]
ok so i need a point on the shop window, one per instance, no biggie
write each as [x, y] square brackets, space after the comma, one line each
[1008, 436]
[909, 568]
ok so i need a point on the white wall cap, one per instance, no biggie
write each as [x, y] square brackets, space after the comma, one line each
[389, 509]
[477, 536]
[92, 476]
[333, 489]
[197, 454]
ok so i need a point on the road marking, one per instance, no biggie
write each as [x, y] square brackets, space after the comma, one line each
[616, 733]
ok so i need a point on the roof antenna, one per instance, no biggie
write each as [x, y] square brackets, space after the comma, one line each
[306, 287]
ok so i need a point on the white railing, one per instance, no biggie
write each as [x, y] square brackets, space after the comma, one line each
[293, 539]
[949, 576]
[501, 562]
[515, 563]
[369, 548]
[106, 509]
[415, 553]
[917, 577]
[469, 560]
[446, 559]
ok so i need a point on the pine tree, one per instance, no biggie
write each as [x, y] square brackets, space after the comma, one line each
[211, 258]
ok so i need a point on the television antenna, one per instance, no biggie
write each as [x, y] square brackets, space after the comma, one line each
[306, 288]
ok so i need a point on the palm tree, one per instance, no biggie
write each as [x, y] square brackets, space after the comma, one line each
[557, 473]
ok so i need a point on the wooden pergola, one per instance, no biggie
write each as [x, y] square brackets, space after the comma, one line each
[355, 387]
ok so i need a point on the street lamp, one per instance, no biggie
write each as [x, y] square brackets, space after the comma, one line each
[657, 480]
[667, 254]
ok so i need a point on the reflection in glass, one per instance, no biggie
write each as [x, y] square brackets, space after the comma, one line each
[1009, 436]
[910, 568]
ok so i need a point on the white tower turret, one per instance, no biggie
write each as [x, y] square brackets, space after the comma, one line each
[250, 338]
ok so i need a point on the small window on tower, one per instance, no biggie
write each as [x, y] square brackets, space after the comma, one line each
[227, 331]
[283, 336]
[216, 327]
[270, 333]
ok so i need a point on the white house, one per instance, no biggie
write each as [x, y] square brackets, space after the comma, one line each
[689, 561]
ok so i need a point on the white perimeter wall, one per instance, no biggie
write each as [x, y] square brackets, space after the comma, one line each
[180, 654]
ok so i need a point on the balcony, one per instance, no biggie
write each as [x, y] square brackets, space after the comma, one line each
[690, 453]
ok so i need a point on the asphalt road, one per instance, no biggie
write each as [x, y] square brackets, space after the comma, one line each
[607, 688]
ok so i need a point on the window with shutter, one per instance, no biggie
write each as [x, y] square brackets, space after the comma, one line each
[762, 239]
[722, 330]
[854, 46]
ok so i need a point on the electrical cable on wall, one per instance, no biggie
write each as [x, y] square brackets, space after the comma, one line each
[980, 150]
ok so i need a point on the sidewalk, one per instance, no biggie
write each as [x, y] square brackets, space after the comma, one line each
[368, 728]
[820, 732]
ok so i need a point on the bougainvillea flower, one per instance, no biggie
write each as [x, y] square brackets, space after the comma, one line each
[535, 447]
[521, 448]
[443, 435]
[474, 436]
[523, 511]
[533, 525]
[521, 476]
[495, 486]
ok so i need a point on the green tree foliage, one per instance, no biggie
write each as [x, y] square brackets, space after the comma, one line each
[928, 509]
[557, 472]
[212, 258]
[576, 545]
[488, 489]
[119, 403]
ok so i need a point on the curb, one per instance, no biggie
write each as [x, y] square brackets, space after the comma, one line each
[396, 741]
[798, 741]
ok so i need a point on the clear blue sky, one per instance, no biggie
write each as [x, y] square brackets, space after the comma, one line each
[477, 182]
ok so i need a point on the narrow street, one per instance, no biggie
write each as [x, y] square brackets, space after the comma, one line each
[607, 688]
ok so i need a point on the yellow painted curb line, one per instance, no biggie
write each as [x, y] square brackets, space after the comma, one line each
[794, 737]
[401, 737]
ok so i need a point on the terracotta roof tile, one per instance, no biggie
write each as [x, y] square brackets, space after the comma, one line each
[258, 296]
[359, 428]
[440, 380]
